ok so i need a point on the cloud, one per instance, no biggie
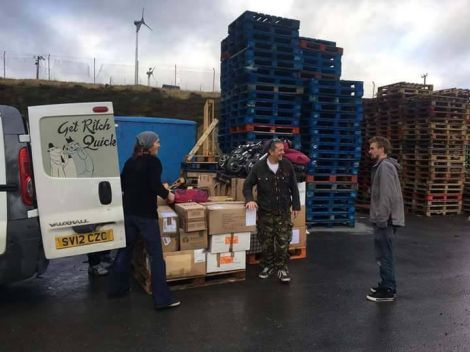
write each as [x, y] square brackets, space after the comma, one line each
[383, 41]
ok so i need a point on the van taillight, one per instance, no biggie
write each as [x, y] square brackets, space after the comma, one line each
[26, 177]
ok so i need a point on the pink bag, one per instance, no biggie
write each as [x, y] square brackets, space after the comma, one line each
[191, 195]
[296, 157]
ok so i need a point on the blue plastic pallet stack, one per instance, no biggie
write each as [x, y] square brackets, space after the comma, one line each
[261, 86]
[331, 134]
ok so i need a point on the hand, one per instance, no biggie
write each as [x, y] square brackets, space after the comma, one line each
[295, 213]
[251, 205]
[171, 198]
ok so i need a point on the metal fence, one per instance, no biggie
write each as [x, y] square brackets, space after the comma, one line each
[94, 70]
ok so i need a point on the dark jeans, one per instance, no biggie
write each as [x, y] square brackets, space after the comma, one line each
[384, 255]
[120, 272]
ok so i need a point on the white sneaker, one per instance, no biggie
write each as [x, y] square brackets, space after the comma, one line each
[283, 275]
[265, 273]
[97, 270]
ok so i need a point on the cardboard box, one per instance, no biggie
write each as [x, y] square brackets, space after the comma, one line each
[207, 181]
[302, 186]
[300, 220]
[237, 189]
[229, 217]
[185, 263]
[299, 237]
[167, 220]
[161, 201]
[170, 242]
[226, 261]
[222, 189]
[193, 240]
[230, 242]
[192, 216]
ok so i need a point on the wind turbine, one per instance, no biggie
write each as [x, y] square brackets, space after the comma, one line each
[138, 24]
[149, 74]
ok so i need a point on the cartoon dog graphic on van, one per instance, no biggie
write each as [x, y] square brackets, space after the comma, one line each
[83, 162]
[62, 165]
[57, 158]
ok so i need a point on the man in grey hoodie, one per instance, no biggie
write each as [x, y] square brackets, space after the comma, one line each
[386, 214]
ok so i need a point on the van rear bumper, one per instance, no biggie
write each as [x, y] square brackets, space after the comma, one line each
[23, 256]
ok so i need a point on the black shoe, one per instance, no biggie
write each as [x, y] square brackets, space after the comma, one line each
[167, 306]
[378, 288]
[284, 275]
[266, 272]
[382, 295]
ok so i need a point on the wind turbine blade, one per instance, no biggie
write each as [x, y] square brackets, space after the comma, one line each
[146, 25]
[143, 13]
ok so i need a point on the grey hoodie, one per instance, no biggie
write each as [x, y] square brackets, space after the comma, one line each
[386, 201]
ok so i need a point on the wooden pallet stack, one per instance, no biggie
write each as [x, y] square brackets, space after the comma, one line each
[368, 130]
[465, 94]
[261, 89]
[384, 116]
[433, 149]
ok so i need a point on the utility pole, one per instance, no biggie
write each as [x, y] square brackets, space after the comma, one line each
[373, 89]
[175, 75]
[213, 80]
[4, 64]
[49, 67]
[38, 59]
[94, 70]
[424, 77]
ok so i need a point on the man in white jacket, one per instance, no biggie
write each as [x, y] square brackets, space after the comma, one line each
[386, 214]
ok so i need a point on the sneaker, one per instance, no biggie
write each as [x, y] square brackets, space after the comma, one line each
[97, 270]
[283, 275]
[167, 306]
[382, 295]
[266, 272]
[378, 288]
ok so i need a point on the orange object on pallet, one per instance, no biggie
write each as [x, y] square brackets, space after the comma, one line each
[260, 128]
[295, 253]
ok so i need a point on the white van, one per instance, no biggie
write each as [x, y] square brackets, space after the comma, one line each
[60, 191]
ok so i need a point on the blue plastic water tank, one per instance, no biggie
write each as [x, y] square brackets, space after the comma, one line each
[177, 137]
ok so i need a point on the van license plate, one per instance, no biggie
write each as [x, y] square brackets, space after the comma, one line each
[84, 239]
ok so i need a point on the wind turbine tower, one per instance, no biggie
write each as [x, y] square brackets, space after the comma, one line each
[138, 24]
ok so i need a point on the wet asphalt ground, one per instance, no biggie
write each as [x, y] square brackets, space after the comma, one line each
[323, 309]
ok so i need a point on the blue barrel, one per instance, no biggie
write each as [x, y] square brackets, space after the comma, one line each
[177, 138]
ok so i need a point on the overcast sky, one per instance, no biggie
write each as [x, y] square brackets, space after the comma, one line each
[384, 41]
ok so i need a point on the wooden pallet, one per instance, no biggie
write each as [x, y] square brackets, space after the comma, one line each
[295, 253]
[332, 178]
[142, 276]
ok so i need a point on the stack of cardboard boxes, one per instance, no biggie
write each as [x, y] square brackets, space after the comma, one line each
[299, 230]
[198, 240]
[229, 236]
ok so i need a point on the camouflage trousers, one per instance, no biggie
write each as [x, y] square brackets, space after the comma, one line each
[274, 235]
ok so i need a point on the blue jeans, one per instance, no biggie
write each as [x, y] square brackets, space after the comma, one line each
[384, 255]
[120, 272]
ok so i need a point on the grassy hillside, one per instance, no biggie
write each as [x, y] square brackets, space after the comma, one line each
[127, 100]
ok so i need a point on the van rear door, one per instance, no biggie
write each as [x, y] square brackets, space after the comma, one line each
[76, 177]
